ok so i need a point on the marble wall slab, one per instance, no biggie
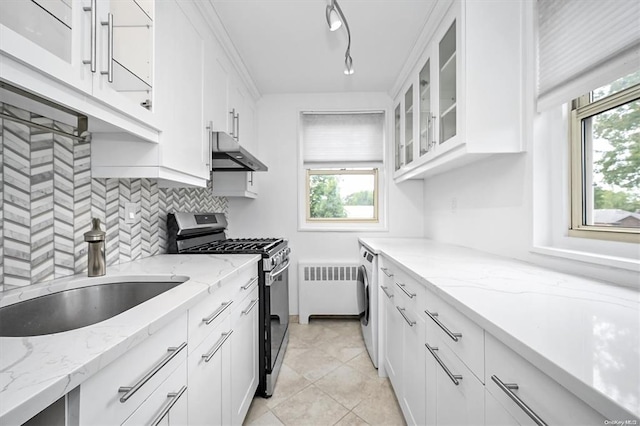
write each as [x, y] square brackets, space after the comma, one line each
[48, 197]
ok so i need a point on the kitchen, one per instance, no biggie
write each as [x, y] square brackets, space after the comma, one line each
[510, 204]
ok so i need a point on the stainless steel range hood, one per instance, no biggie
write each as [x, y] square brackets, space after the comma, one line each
[229, 156]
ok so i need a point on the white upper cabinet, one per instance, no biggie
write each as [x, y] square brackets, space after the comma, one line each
[66, 50]
[468, 97]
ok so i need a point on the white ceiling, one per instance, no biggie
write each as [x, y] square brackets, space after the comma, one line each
[287, 47]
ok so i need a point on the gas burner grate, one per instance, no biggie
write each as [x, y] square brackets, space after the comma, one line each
[237, 246]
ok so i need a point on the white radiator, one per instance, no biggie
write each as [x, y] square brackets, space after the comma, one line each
[328, 288]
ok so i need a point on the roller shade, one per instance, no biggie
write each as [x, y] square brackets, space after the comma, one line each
[584, 44]
[342, 137]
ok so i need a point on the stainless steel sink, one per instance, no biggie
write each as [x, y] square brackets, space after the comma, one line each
[75, 308]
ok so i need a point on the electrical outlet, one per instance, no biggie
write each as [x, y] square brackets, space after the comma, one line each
[130, 213]
[454, 205]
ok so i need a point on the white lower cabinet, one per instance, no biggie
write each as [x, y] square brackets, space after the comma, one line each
[447, 370]
[223, 369]
[530, 395]
[118, 390]
[244, 356]
[209, 378]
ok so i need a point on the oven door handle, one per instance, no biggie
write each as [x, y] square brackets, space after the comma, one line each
[274, 274]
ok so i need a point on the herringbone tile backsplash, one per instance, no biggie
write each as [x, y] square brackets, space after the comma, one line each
[47, 200]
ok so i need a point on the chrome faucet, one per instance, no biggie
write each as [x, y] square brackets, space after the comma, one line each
[97, 263]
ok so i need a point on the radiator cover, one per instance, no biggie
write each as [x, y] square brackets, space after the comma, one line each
[327, 288]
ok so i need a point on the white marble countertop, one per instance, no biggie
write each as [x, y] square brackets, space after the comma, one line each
[581, 332]
[36, 371]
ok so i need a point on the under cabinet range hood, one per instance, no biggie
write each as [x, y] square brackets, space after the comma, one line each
[228, 156]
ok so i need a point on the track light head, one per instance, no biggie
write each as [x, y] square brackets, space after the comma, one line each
[348, 65]
[333, 20]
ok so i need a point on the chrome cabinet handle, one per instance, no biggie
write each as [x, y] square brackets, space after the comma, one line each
[454, 336]
[173, 398]
[386, 292]
[508, 388]
[402, 287]
[208, 320]
[386, 273]
[94, 29]
[130, 390]
[109, 71]
[249, 284]
[401, 310]
[223, 338]
[233, 123]
[253, 303]
[238, 126]
[455, 378]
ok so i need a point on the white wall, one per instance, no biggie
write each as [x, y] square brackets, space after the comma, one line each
[496, 210]
[274, 212]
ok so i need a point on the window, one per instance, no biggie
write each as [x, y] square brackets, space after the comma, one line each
[346, 195]
[342, 159]
[605, 162]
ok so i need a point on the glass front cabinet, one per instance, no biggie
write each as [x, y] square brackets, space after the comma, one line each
[458, 116]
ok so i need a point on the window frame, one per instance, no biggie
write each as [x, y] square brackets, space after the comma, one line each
[581, 109]
[372, 170]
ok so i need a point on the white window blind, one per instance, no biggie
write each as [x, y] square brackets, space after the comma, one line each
[584, 44]
[342, 137]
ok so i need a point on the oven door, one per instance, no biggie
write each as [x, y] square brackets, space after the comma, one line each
[277, 301]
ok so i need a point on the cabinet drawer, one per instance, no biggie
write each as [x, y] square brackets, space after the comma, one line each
[206, 315]
[409, 292]
[142, 369]
[455, 330]
[170, 399]
[543, 396]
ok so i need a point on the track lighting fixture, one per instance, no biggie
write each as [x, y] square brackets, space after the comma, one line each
[335, 19]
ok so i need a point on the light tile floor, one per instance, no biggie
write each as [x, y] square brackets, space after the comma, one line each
[327, 378]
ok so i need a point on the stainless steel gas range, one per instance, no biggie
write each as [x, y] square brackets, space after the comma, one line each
[204, 233]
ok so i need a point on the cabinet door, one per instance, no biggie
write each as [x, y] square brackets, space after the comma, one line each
[244, 356]
[413, 368]
[179, 90]
[51, 37]
[393, 343]
[495, 414]
[408, 125]
[448, 49]
[427, 118]
[397, 137]
[208, 380]
[216, 81]
[460, 403]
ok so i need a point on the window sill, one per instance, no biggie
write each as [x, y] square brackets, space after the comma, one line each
[597, 259]
[343, 227]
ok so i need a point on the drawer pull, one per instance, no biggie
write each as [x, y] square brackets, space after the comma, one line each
[249, 284]
[130, 390]
[454, 336]
[401, 310]
[172, 399]
[253, 304]
[389, 274]
[223, 338]
[455, 378]
[402, 287]
[208, 320]
[508, 388]
[386, 292]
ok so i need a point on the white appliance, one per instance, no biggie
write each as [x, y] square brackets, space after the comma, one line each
[368, 287]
